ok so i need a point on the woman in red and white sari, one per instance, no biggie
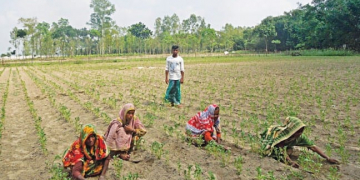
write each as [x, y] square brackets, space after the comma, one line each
[205, 124]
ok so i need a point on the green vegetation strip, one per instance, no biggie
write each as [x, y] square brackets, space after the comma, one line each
[64, 111]
[5, 95]
[87, 105]
[36, 118]
[90, 91]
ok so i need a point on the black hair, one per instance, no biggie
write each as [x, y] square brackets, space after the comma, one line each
[175, 47]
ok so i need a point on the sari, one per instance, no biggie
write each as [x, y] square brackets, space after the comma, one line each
[278, 133]
[92, 159]
[116, 137]
[203, 124]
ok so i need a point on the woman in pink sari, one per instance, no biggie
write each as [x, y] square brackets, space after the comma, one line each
[123, 132]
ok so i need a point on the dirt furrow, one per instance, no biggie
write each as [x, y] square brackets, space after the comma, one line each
[22, 157]
[3, 85]
[57, 130]
[76, 109]
[151, 163]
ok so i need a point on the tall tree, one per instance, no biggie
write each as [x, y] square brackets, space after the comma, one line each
[29, 25]
[15, 40]
[17, 36]
[208, 38]
[64, 34]
[266, 30]
[140, 31]
[100, 19]
[43, 37]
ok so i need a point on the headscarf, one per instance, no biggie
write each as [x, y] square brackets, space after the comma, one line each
[79, 152]
[122, 114]
[203, 121]
[278, 133]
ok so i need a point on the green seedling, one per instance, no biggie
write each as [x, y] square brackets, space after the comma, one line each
[334, 173]
[211, 176]
[57, 170]
[157, 149]
[238, 163]
[131, 176]
[198, 172]
[118, 165]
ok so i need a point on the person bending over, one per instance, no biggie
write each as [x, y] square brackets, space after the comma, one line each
[278, 138]
[205, 124]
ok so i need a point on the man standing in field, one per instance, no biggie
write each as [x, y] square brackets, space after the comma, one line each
[174, 75]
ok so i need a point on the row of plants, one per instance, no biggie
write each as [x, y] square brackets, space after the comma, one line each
[264, 96]
[37, 119]
[110, 101]
[86, 105]
[95, 86]
[64, 111]
[4, 99]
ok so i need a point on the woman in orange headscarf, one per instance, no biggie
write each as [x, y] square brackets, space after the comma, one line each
[87, 156]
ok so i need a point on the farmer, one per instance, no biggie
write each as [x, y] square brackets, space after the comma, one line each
[174, 75]
[205, 124]
[88, 155]
[276, 139]
[123, 132]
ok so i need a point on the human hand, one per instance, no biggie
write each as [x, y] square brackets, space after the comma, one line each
[294, 164]
[129, 129]
[182, 80]
[226, 148]
[332, 161]
[166, 81]
[218, 140]
[102, 177]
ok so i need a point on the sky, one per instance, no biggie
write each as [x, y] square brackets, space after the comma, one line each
[215, 12]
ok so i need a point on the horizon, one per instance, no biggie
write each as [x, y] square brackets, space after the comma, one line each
[124, 16]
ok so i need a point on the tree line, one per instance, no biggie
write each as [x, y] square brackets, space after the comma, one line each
[323, 24]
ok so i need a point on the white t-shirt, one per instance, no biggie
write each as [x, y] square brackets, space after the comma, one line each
[174, 66]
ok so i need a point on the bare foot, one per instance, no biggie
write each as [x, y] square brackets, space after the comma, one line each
[227, 148]
[124, 156]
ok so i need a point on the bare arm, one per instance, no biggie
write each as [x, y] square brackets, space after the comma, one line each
[105, 167]
[182, 69]
[166, 77]
[318, 151]
[182, 77]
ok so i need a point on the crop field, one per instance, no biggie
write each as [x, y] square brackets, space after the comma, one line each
[43, 107]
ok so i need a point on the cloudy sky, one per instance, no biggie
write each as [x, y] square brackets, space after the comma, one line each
[128, 12]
